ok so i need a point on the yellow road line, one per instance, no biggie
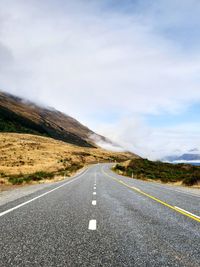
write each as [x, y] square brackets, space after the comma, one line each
[154, 198]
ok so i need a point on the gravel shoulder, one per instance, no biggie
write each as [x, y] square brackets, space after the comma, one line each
[21, 191]
[16, 192]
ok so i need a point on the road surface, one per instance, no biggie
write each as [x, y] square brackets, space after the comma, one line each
[99, 218]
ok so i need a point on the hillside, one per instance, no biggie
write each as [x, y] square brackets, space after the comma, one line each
[155, 170]
[20, 116]
[26, 157]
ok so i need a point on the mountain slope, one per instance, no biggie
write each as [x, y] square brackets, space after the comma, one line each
[27, 158]
[17, 115]
[26, 153]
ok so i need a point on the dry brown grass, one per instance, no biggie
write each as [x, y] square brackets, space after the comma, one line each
[27, 154]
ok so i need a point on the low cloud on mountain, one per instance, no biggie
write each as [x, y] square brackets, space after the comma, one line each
[89, 59]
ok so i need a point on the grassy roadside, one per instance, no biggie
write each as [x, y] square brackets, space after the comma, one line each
[40, 176]
[165, 172]
[26, 158]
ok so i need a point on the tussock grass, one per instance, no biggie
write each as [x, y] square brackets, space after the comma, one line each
[25, 158]
[27, 178]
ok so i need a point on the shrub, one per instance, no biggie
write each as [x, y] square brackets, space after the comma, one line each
[192, 180]
[27, 178]
[166, 172]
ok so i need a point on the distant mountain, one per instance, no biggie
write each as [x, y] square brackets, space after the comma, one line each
[192, 155]
[21, 116]
[189, 157]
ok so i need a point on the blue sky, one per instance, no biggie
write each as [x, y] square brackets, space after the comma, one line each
[127, 69]
[189, 115]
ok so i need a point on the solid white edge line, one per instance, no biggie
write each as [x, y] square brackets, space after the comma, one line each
[42, 195]
[160, 186]
[92, 225]
[94, 202]
[94, 193]
[187, 212]
[192, 214]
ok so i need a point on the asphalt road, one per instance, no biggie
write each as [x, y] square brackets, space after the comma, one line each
[101, 219]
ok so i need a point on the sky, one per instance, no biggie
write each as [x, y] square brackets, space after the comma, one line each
[127, 69]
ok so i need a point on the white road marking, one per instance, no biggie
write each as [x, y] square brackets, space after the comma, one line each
[95, 188]
[94, 193]
[92, 225]
[42, 195]
[180, 191]
[174, 189]
[187, 212]
[135, 188]
[94, 202]
[154, 184]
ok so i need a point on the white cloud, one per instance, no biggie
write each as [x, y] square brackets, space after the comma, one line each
[107, 144]
[80, 59]
[154, 143]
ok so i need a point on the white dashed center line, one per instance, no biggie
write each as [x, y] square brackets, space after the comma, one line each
[92, 225]
[94, 202]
